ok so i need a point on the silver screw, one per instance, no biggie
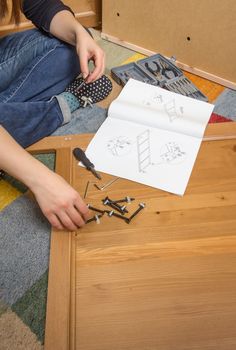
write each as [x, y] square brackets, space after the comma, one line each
[122, 210]
[126, 199]
[95, 209]
[112, 213]
[95, 218]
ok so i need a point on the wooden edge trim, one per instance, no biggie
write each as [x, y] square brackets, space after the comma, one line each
[57, 330]
[14, 27]
[85, 14]
[220, 131]
[60, 330]
[194, 70]
[72, 315]
[54, 143]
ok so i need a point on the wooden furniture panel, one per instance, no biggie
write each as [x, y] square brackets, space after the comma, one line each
[166, 280]
[200, 34]
[88, 13]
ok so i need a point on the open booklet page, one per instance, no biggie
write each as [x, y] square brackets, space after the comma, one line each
[151, 136]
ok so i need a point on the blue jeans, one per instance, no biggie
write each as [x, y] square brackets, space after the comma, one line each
[34, 70]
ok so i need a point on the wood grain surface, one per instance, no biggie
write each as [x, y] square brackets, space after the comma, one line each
[166, 280]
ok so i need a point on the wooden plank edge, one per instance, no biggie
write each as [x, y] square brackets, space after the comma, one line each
[193, 70]
[14, 27]
[60, 322]
[52, 143]
[85, 14]
[88, 19]
[72, 310]
[220, 131]
[58, 315]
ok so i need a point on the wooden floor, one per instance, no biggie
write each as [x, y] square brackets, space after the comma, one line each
[166, 280]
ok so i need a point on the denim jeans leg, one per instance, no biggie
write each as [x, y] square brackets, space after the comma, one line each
[18, 50]
[28, 122]
[27, 109]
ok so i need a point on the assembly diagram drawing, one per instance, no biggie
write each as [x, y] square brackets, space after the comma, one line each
[171, 110]
[144, 150]
[170, 107]
[119, 146]
[151, 136]
[169, 153]
[172, 153]
[156, 99]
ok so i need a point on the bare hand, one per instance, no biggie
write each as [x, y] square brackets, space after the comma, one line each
[88, 50]
[60, 203]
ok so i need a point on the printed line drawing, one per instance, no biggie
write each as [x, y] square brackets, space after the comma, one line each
[144, 150]
[155, 99]
[119, 146]
[171, 153]
[169, 106]
[170, 109]
[158, 98]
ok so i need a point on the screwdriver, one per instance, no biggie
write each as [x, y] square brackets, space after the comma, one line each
[84, 81]
[81, 156]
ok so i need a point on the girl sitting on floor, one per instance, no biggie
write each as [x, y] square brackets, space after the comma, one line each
[38, 80]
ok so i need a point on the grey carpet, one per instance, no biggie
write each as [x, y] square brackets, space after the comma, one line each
[24, 247]
[25, 233]
[225, 104]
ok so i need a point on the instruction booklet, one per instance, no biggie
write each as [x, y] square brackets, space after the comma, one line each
[151, 136]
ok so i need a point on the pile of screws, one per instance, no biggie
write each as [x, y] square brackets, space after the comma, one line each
[118, 210]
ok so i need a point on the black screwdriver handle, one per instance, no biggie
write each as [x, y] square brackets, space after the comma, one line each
[81, 156]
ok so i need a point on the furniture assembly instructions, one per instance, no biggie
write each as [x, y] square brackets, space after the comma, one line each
[151, 136]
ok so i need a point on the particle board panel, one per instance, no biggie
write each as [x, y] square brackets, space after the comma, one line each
[166, 280]
[200, 34]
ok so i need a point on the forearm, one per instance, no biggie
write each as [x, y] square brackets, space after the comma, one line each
[41, 12]
[18, 162]
[59, 202]
[64, 26]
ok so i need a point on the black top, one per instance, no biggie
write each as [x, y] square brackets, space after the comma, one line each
[41, 12]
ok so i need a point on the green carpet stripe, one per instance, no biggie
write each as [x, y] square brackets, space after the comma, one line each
[47, 159]
[31, 307]
[15, 183]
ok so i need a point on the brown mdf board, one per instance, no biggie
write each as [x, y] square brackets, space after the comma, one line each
[164, 281]
[201, 34]
[88, 13]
